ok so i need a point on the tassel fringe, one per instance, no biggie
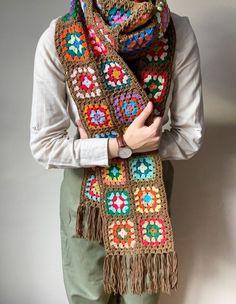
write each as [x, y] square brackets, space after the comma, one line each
[89, 223]
[148, 272]
[144, 272]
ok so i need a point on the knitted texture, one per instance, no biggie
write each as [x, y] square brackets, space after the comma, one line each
[118, 55]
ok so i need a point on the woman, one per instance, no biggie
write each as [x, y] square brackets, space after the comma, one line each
[53, 107]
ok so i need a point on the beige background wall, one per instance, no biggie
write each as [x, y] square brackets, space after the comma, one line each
[204, 194]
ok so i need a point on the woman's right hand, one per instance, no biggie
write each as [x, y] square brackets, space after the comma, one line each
[142, 138]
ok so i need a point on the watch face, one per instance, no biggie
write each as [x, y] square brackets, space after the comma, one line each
[125, 152]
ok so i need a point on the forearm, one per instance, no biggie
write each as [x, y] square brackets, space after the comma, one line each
[181, 144]
[58, 150]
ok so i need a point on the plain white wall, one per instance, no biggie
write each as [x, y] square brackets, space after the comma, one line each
[203, 204]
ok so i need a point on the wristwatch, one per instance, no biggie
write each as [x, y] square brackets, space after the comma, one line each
[124, 151]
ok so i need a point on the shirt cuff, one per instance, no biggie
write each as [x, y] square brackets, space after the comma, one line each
[93, 152]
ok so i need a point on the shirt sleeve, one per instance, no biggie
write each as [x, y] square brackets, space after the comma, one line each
[50, 144]
[185, 136]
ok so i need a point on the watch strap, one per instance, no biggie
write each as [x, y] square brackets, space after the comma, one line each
[122, 137]
[121, 141]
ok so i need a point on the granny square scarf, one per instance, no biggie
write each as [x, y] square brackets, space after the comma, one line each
[117, 55]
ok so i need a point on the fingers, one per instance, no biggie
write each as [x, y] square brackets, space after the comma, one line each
[82, 131]
[157, 123]
[141, 118]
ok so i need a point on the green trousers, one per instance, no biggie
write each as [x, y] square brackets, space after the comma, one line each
[82, 260]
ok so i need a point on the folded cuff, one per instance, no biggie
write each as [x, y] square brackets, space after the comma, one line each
[93, 152]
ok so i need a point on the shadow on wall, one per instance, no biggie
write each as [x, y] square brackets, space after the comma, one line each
[200, 213]
[217, 43]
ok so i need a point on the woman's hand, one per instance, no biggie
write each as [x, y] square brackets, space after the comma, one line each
[138, 136]
[83, 133]
[142, 138]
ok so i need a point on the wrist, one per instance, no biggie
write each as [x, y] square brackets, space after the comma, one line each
[124, 151]
[126, 140]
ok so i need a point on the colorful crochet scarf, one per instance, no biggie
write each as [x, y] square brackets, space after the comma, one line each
[117, 55]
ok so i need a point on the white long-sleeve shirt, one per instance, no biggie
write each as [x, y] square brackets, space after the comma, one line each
[53, 107]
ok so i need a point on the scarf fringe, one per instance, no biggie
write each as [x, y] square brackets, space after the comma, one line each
[89, 223]
[148, 272]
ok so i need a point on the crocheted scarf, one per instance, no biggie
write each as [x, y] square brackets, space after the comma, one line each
[117, 55]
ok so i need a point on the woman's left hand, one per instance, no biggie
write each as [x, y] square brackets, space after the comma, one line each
[83, 133]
